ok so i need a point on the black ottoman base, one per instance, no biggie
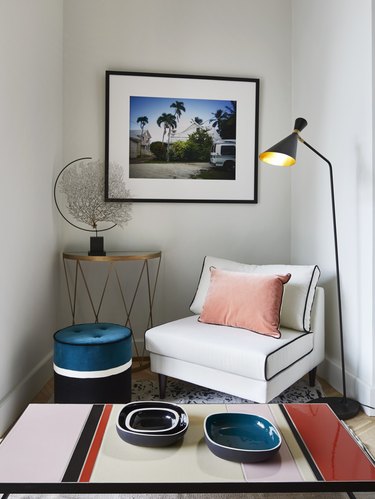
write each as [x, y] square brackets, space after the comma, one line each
[111, 389]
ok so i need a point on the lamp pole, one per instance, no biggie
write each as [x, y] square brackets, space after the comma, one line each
[284, 154]
[338, 285]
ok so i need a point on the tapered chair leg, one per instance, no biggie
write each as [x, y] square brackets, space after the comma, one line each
[312, 376]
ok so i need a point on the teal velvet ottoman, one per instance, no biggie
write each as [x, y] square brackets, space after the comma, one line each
[92, 364]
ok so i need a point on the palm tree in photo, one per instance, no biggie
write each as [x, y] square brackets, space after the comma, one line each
[197, 121]
[232, 109]
[228, 127]
[142, 120]
[179, 107]
[218, 119]
[225, 121]
[169, 123]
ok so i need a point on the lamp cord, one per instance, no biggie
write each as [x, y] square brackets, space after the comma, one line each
[337, 262]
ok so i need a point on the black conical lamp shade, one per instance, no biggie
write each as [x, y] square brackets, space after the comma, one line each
[284, 152]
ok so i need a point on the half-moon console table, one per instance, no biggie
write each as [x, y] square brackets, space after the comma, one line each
[112, 260]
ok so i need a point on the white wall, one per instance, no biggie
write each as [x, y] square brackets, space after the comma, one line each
[332, 89]
[31, 140]
[246, 38]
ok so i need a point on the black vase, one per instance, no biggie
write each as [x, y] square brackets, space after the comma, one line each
[97, 246]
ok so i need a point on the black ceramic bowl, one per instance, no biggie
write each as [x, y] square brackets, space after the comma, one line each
[244, 438]
[152, 424]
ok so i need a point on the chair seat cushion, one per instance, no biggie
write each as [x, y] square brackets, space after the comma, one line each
[229, 349]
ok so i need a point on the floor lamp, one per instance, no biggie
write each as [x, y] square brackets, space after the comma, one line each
[284, 154]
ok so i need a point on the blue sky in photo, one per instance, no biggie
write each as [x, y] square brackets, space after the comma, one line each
[153, 107]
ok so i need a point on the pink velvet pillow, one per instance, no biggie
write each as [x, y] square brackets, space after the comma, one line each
[248, 301]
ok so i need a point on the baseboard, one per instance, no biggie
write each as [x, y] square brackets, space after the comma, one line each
[356, 388]
[15, 401]
[366, 396]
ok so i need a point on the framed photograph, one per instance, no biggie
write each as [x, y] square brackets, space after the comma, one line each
[181, 138]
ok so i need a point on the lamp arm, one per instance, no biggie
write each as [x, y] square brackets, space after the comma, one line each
[337, 261]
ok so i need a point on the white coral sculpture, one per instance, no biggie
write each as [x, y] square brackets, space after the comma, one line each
[83, 185]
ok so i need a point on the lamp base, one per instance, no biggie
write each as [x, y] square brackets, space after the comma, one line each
[344, 408]
[97, 246]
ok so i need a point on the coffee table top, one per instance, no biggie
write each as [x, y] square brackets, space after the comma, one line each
[73, 448]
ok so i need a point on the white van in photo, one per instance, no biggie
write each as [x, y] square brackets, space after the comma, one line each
[223, 154]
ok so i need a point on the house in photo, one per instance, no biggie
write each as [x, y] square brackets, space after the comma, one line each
[139, 143]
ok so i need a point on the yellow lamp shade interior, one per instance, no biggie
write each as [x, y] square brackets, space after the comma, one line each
[277, 158]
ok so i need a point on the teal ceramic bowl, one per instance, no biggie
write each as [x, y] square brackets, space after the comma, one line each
[244, 438]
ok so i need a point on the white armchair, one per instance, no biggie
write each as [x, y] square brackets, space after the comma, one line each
[235, 360]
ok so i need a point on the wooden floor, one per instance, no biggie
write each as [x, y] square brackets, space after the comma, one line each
[362, 425]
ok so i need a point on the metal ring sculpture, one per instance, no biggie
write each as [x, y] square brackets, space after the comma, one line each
[57, 205]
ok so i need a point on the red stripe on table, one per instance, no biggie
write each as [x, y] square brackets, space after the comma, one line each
[95, 446]
[334, 451]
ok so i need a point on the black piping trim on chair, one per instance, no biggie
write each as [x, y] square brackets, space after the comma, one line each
[307, 295]
[280, 348]
[199, 280]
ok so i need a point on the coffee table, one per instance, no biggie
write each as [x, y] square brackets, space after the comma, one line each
[56, 448]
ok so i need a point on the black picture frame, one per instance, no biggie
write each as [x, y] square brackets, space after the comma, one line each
[188, 111]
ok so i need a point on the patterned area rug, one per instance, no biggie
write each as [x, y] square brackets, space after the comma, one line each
[182, 392]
